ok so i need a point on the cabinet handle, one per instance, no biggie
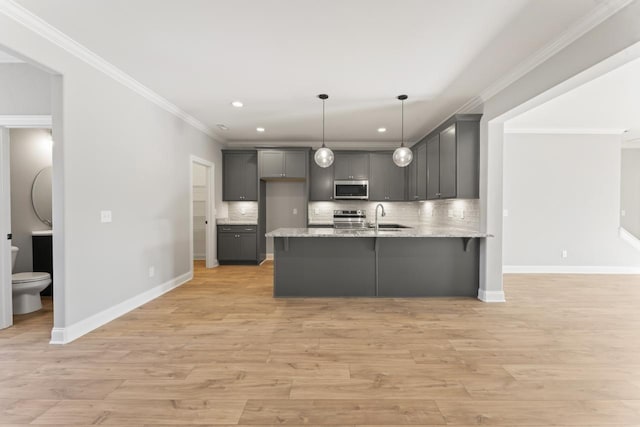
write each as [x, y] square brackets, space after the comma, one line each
[226, 229]
[248, 229]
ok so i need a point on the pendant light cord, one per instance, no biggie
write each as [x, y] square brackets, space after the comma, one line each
[323, 123]
[402, 126]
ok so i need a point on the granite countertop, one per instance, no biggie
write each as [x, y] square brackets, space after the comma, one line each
[417, 231]
[227, 221]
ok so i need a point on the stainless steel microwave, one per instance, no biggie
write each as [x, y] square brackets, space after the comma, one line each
[351, 190]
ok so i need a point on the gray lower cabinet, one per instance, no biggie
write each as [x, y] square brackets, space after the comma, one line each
[320, 182]
[351, 166]
[453, 159]
[237, 243]
[417, 173]
[386, 180]
[240, 175]
[282, 164]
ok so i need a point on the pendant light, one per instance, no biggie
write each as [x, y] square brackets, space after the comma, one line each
[324, 155]
[403, 155]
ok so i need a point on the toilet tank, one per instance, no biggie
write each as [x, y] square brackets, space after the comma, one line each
[14, 255]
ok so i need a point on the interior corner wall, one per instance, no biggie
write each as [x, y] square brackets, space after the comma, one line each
[30, 152]
[562, 192]
[617, 33]
[119, 152]
[25, 89]
[630, 191]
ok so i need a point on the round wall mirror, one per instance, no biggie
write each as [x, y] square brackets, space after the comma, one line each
[41, 196]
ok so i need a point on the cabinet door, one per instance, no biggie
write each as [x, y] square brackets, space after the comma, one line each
[395, 177]
[320, 182]
[234, 169]
[271, 164]
[420, 160]
[412, 170]
[378, 189]
[448, 163]
[227, 246]
[351, 166]
[433, 169]
[247, 246]
[360, 166]
[342, 165]
[295, 164]
[250, 168]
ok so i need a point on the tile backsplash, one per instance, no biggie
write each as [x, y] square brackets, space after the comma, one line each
[243, 211]
[457, 213]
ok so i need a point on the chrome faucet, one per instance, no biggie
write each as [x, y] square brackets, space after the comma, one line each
[379, 205]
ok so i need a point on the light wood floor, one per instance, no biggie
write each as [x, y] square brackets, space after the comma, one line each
[564, 350]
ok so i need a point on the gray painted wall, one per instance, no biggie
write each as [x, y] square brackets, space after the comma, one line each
[630, 191]
[30, 152]
[562, 192]
[118, 151]
[26, 90]
[282, 199]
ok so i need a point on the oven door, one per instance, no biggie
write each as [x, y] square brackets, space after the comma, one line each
[351, 190]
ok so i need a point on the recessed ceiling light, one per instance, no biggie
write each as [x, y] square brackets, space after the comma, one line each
[382, 130]
[222, 127]
[260, 129]
[237, 104]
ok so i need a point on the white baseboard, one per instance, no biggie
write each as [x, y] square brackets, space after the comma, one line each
[491, 296]
[569, 269]
[78, 329]
[269, 257]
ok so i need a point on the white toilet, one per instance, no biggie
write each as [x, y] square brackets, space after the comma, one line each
[26, 288]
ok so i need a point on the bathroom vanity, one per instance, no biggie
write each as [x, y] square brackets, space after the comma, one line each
[42, 252]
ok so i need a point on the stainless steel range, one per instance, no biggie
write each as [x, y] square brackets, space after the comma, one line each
[356, 218]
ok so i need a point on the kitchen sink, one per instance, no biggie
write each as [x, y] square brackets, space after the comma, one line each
[388, 226]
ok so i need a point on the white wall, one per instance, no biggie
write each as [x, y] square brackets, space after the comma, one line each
[558, 74]
[114, 150]
[630, 192]
[25, 89]
[30, 153]
[562, 192]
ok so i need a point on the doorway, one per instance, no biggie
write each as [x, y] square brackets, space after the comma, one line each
[202, 213]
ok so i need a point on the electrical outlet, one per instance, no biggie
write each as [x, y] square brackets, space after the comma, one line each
[623, 213]
[505, 213]
[295, 211]
[564, 253]
[243, 211]
[105, 216]
[316, 211]
[152, 271]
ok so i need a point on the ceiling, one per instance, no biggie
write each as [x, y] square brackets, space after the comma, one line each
[277, 55]
[607, 104]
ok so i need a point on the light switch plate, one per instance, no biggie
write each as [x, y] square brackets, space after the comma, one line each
[152, 271]
[295, 211]
[105, 216]
[623, 213]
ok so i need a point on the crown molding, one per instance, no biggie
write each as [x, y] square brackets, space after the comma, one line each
[598, 15]
[39, 26]
[43, 122]
[565, 131]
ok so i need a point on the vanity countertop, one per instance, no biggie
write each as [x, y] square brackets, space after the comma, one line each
[42, 233]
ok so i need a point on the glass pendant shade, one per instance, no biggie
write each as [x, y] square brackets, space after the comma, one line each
[402, 156]
[324, 157]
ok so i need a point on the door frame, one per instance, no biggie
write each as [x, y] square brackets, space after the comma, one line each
[6, 124]
[210, 230]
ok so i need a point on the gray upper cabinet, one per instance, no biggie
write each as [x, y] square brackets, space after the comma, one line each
[278, 164]
[320, 181]
[350, 166]
[433, 167]
[417, 173]
[386, 180]
[240, 175]
[448, 163]
[453, 159]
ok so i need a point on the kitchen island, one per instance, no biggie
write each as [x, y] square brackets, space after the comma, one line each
[408, 262]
